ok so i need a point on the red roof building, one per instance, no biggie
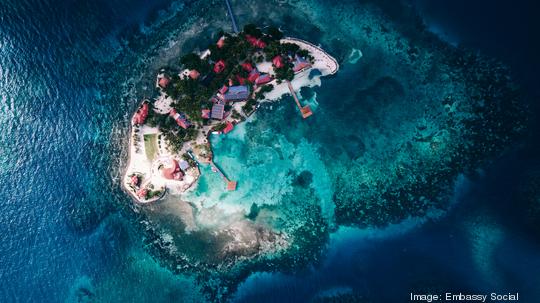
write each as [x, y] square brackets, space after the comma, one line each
[241, 80]
[221, 42]
[205, 114]
[258, 43]
[231, 185]
[163, 82]
[134, 180]
[180, 119]
[194, 74]
[247, 66]
[223, 89]
[171, 170]
[253, 75]
[300, 64]
[228, 128]
[219, 66]
[141, 193]
[263, 79]
[278, 61]
[141, 114]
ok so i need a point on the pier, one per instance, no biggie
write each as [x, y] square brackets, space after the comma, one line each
[231, 14]
[305, 110]
[231, 185]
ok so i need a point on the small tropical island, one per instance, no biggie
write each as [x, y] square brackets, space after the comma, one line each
[216, 90]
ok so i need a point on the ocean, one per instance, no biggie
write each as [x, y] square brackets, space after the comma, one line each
[71, 74]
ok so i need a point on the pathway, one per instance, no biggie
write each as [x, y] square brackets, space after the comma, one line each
[231, 185]
[231, 14]
[306, 110]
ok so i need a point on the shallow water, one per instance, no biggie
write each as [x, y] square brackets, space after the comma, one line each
[70, 75]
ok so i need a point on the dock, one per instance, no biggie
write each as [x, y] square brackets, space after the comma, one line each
[192, 156]
[231, 185]
[231, 14]
[304, 110]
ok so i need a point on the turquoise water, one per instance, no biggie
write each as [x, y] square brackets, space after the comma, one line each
[351, 202]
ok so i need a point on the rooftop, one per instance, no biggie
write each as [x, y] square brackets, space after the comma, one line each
[163, 82]
[236, 93]
[218, 111]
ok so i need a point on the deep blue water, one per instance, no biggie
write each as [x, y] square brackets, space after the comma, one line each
[54, 118]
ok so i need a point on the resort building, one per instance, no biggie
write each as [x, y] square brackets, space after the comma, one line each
[184, 165]
[171, 170]
[141, 114]
[218, 111]
[141, 193]
[300, 64]
[278, 61]
[258, 43]
[134, 181]
[247, 66]
[219, 66]
[221, 42]
[263, 79]
[253, 75]
[228, 128]
[237, 93]
[223, 89]
[205, 114]
[163, 82]
[180, 119]
[194, 74]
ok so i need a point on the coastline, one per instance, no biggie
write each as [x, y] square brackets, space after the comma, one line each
[200, 148]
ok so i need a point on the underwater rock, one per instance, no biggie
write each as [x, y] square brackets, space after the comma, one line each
[82, 291]
[303, 179]
[86, 211]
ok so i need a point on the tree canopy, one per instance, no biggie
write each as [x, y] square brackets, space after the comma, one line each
[252, 30]
[274, 33]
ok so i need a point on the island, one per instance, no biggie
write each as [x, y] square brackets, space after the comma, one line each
[217, 89]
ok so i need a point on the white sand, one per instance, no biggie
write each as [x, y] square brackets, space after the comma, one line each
[325, 63]
[151, 176]
[163, 104]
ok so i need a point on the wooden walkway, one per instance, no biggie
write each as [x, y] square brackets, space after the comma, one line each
[231, 14]
[231, 185]
[306, 110]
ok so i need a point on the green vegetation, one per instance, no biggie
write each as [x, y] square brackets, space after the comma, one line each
[236, 115]
[158, 120]
[252, 30]
[192, 95]
[285, 73]
[153, 193]
[176, 138]
[249, 106]
[194, 61]
[275, 48]
[150, 146]
[265, 89]
[288, 49]
[219, 127]
[274, 33]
